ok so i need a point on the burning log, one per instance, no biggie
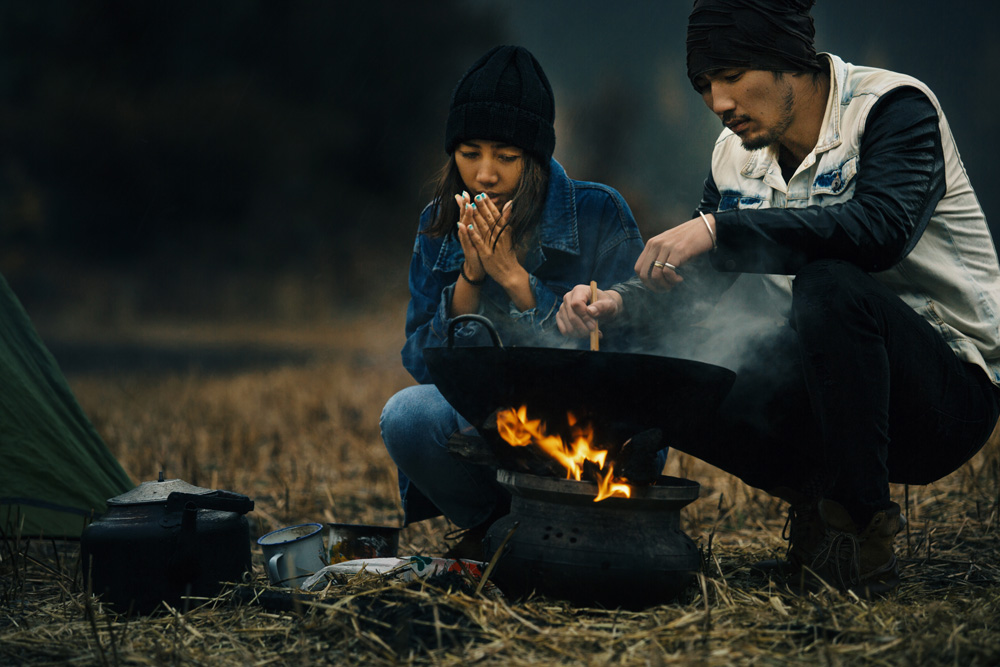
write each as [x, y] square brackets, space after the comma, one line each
[472, 449]
[636, 462]
[490, 450]
[572, 449]
[591, 471]
[511, 441]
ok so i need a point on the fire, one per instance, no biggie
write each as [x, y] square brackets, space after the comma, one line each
[519, 431]
[607, 487]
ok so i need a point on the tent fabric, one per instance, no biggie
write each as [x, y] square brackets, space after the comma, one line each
[55, 470]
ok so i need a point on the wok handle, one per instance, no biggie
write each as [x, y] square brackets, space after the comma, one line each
[473, 318]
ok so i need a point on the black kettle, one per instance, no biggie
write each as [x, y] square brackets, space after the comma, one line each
[163, 540]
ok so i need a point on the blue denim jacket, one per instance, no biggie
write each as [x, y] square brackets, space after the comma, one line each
[587, 232]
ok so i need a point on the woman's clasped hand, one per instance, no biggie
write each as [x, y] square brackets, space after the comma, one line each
[488, 250]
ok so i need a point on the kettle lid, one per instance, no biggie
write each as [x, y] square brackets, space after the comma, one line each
[151, 493]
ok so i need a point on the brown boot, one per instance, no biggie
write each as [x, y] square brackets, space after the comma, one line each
[470, 540]
[855, 560]
[804, 532]
[469, 544]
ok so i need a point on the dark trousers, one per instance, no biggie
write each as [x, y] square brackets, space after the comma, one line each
[859, 391]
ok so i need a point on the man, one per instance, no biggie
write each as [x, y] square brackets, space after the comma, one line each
[839, 261]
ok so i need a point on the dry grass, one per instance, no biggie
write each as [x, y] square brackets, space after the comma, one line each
[303, 442]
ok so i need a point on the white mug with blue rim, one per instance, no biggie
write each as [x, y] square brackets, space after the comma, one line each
[292, 554]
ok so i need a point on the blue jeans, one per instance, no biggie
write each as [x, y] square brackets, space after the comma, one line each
[416, 424]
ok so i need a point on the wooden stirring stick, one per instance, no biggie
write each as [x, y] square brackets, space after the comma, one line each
[594, 340]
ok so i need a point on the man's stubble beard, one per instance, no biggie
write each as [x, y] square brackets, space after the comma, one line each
[773, 135]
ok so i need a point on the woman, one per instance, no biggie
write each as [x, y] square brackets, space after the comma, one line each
[525, 235]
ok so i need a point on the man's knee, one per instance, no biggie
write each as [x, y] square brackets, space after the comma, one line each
[830, 288]
[828, 275]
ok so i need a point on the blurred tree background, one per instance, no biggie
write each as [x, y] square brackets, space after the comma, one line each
[252, 159]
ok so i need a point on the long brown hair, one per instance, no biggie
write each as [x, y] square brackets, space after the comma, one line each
[528, 198]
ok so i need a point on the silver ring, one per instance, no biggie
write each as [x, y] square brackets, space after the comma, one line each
[664, 264]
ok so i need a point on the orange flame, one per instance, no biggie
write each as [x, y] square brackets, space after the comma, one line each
[519, 431]
[607, 487]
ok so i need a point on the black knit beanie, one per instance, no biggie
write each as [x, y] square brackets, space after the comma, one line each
[504, 96]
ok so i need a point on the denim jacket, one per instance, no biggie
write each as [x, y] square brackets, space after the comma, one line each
[587, 232]
[944, 266]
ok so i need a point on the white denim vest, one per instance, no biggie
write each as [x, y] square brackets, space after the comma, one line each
[951, 277]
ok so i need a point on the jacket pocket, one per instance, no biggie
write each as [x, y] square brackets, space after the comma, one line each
[836, 181]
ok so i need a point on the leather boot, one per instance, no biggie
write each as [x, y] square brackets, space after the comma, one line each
[803, 530]
[858, 560]
[469, 545]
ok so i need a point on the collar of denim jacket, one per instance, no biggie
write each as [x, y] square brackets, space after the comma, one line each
[831, 137]
[559, 229]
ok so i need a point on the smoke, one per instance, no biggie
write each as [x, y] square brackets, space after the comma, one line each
[737, 321]
[746, 330]
[745, 325]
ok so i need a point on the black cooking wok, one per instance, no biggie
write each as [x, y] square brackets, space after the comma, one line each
[626, 393]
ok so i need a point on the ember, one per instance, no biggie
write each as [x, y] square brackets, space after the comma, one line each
[519, 431]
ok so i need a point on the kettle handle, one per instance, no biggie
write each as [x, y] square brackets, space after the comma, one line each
[272, 568]
[222, 501]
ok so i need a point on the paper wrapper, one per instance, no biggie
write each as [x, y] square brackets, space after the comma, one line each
[406, 569]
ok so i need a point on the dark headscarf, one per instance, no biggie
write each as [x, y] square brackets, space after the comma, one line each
[758, 34]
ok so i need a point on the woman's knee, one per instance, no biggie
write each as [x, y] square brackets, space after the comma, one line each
[415, 415]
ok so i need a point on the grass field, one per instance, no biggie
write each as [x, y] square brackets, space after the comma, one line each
[291, 420]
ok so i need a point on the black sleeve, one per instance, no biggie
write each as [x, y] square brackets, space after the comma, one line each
[710, 196]
[899, 183]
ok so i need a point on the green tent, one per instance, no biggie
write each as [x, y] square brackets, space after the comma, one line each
[55, 471]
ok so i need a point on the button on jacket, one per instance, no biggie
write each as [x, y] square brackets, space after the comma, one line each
[587, 232]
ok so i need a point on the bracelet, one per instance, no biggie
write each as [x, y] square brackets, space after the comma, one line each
[474, 283]
[711, 232]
